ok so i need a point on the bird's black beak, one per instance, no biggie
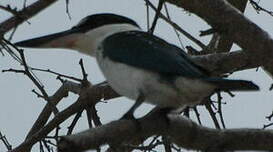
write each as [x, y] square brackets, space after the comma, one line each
[65, 39]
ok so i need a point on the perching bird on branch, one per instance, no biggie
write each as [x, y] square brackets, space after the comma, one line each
[139, 65]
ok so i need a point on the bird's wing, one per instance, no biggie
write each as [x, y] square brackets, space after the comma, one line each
[143, 50]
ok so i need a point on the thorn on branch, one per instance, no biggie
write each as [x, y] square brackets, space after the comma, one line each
[207, 32]
[84, 81]
[268, 125]
[60, 79]
[14, 12]
[270, 116]
[230, 94]
[38, 95]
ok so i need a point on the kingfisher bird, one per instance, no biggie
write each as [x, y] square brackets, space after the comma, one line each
[139, 65]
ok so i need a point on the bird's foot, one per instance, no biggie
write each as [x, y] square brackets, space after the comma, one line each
[130, 116]
[65, 145]
[163, 113]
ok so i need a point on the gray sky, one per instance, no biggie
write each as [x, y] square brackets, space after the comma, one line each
[19, 107]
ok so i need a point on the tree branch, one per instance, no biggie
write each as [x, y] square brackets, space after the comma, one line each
[219, 42]
[229, 62]
[228, 20]
[24, 14]
[88, 96]
[196, 137]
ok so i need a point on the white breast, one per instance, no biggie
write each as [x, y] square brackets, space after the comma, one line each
[124, 79]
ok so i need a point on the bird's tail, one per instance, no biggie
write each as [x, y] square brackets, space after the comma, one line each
[233, 85]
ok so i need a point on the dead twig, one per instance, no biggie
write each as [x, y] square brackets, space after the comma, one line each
[212, 115]
[176, 26]
[5, 141]
[158, 10]
[259, 9]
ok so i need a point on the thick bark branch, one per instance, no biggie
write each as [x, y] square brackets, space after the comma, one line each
[229, 21]
[221, 63]
[24, 15]
[222, 43]
[181, 131]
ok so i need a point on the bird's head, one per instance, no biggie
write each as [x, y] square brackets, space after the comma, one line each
[86, 35]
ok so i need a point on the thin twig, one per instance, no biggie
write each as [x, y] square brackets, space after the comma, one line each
[46, 145]
[268, 125]
[12, 33]
[197, 115]
[89, 117]
[94, 115]
[57, 131]
[31, 76]
[6, 47]
[177, 34]
[5, 141]
[41, 146]
[67, 9]
[38, 85]
[158, 10]
[56, 73]
[83, 70]
[38, 94]
[147, 16]
[74, 122]
[220, 111]
[25, 4]
[212, 115]
[270, 116]
[176, 26]
[258, 8]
